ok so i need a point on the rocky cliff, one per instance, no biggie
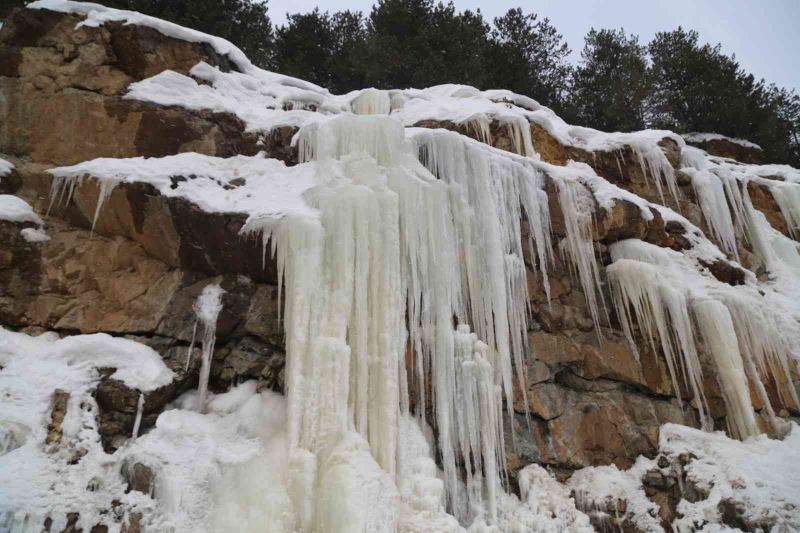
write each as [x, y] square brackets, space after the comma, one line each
[124, 247]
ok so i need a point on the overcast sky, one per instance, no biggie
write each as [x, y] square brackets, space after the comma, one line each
[764, 34]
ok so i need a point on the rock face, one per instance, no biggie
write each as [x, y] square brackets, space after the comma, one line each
[729, 148]
[137, 269]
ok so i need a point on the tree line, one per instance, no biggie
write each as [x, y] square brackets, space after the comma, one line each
[674, 82]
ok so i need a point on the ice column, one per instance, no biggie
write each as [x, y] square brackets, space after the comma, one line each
[207, 308]
[716, 327]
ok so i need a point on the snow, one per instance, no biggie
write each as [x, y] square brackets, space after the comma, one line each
[34, 235]
[761, 473]
[270, 188]
[597, 489]
[97, 15]
[706, 137]
[15, 209]
[5, 167]
[32, 473]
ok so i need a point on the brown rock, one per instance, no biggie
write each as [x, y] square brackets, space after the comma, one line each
[732, 150]
[58, 410]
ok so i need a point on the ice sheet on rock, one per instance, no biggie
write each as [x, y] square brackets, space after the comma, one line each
[374, 135]
[15, 209]
[661, 289]
[713, 202]
[787, 196]
[577, 207]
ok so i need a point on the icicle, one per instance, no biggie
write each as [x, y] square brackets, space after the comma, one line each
[662, 314]
[787, 196]
[761, 337]
[716, 327]
[138, 420]
[519, 129]
[66, 185]
[654, 163]
[712, 199]
[577, 206]
[191, 348]
[371, 102]
[480, 126]
[207, 308]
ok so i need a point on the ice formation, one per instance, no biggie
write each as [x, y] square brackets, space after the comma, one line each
[577, 207]
[207, 308]
[391, 238]
[371, 102]
[656, 288]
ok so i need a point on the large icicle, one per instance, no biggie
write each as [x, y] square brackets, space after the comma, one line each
[712, 199]
[452, 249]
[654, 163]
[207, 308]
[577, 206]
[787, 196]
[662, 314]
[716, 327]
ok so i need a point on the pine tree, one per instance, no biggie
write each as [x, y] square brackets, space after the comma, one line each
[696, 88]
[529, 56]
[609, 85]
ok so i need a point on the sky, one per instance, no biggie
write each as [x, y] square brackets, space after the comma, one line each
[764, 34]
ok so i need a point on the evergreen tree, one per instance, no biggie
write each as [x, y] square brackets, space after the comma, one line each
[323, 49]
[697, 88]
[529, 56]
[609, 85]
[414, 43]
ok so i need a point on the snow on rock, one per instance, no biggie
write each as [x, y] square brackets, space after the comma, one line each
[760, 474]
[38, 481]
[270, 189]
[598, 490]
[15, 209]
[5, 167]
[705, 137]
[97, 15]
[546, 506]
